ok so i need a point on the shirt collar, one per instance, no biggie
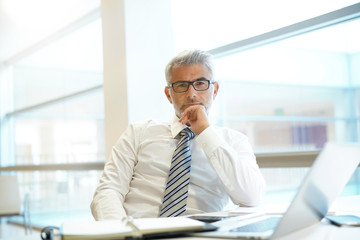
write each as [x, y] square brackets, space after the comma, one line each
[176, 126]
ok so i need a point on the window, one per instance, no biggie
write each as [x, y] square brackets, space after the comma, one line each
[54, 124]
[301, 90]
[71, 131]
[288, 87]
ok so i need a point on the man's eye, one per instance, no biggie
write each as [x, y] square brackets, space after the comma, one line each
[200, 83]
[182, 85]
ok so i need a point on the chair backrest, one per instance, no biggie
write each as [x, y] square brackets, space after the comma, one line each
[10, 203]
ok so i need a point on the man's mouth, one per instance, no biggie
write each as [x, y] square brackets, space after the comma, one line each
[186, 105]
[193, 104]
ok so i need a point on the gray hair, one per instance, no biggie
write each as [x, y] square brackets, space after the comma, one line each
[189, 57]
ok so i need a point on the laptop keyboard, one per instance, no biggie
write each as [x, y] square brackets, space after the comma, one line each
[260, 226]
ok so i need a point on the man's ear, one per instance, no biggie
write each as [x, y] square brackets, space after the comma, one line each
[167, 93]
[216, 89]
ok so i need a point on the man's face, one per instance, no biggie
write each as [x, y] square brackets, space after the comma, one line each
[191, 97]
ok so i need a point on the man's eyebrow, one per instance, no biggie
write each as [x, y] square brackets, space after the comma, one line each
[201, 78]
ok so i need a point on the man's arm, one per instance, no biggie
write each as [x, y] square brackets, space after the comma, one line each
[231, 158]
[114, 183]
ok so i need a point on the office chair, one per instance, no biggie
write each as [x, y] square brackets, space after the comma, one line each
[10, 202]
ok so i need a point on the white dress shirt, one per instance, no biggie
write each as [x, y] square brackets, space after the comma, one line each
[223, 167]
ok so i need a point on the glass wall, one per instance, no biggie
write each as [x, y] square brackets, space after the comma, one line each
[286, 87]
[54, 120]
[71, 131]
[295, 94]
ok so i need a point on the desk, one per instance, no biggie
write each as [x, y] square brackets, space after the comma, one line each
[319, 231]
[343, 205]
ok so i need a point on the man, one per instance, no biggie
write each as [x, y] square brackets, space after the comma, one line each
[223, 166]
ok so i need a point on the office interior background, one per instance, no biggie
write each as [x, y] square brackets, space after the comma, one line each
[74, 74]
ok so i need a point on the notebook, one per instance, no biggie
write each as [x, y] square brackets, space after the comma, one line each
[128, 228]
[325, 180]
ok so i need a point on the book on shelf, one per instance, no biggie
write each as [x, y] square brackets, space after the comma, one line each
[128, 228]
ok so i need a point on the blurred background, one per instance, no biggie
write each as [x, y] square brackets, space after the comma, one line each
[74, 74]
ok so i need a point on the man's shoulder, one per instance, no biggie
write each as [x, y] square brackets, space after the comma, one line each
[150, 122]
[150, 125]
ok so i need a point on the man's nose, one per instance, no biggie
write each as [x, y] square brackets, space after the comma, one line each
[191, 91]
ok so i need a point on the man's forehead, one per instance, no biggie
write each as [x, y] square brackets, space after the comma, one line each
[190, 72]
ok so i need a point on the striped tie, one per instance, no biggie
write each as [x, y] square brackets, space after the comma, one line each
[176, 191]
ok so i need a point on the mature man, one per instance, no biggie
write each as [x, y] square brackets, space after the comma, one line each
[211, 165]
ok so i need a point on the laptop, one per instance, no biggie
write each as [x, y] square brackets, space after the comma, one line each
[325, 180]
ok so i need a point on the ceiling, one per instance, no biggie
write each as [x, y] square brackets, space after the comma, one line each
[24, 23]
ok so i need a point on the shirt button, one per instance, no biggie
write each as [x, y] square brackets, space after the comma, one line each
[204, 145]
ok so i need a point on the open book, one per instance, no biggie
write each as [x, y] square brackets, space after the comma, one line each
[132, 228]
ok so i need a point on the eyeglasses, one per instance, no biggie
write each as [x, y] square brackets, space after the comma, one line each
[183, 86]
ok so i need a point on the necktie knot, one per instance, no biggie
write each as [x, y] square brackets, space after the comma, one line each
[187, 132]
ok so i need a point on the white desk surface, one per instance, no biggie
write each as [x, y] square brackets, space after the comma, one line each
[343, 205]
[320, 231]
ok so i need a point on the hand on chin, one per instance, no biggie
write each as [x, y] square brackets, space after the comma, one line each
[195, 116]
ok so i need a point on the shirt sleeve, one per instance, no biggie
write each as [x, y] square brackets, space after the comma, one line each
[231, 156]
[114, 183]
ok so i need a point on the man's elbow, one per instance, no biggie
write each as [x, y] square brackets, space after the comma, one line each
[254, 197]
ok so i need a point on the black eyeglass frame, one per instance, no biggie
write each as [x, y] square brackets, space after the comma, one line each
[171, 85]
